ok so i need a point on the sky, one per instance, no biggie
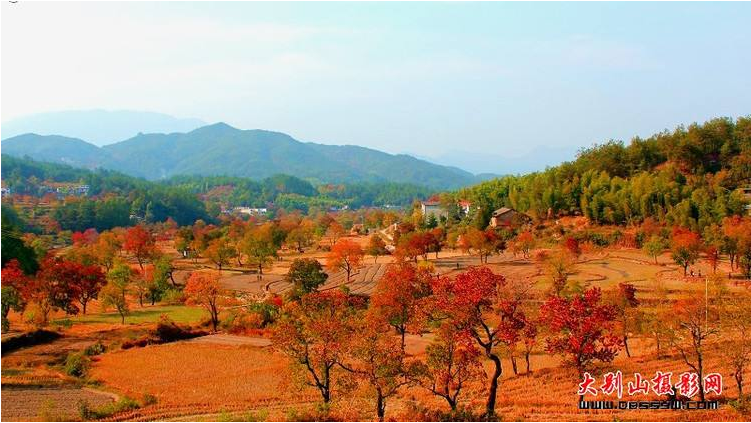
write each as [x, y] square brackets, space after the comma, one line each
[438, 80]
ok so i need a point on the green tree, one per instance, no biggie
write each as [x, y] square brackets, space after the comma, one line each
[118, 285]
[654, 247]
[260, 247]
[376, 247]
[305, 275]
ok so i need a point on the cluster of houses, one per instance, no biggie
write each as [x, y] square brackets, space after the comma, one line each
[61, 190]
[503, 217]
[77, 190]
[250, 211]
[746, 194]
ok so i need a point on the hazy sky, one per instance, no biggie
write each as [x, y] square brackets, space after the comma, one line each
[427, 78]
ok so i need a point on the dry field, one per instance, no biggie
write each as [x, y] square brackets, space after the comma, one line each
[222, 376]
[189, 378]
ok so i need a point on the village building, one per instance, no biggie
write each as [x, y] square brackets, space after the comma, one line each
[507, 217]
[746, 195]
[433, 207]
[465, 207]
[250, 211]
[65, 189]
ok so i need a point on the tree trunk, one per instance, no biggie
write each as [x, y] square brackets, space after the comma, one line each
[513, 365]
[493, 391]
[526, 358]
[739, 382]
[700, 369]
[325, 392]
[625, 345]
[381, 406]
[83, 305]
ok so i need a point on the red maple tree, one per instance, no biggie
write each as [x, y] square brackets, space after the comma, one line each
[581, 329]
[346, 255]
[140, 243]
[482, 304]
[400, 298]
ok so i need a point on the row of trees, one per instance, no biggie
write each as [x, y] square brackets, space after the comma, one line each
[731, 238]
[331, 335]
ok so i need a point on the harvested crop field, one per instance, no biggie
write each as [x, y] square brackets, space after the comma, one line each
[201, 374]
[225, 339]
[49, 403]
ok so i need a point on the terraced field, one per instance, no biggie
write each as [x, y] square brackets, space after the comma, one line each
[362, 281]
[49, 403]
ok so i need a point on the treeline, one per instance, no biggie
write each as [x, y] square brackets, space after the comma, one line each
[115, 199]
[689, 177]
[291, 193]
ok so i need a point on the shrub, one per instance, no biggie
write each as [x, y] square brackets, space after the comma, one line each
[173, 296]
[76, 364]
[65, 323]
[84, 411]
[95, 349]
[148, 399]
[123, 404]
[239, 322]
[166, 331]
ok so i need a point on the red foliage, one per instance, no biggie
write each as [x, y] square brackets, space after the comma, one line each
[346, 255]
[140, 243]
[572, 246]
[87, 237]
[203, 289]
[13, 275]
[68, 280]
[400, 297]
[581, 329]
[473, 301]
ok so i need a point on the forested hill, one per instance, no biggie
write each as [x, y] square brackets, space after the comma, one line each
[221, 150]
[689, 177]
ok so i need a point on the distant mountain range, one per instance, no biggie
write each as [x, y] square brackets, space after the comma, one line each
[220, 149]
[99, 127]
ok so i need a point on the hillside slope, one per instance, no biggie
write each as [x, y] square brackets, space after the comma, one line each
[99, 127]
[220, 149]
